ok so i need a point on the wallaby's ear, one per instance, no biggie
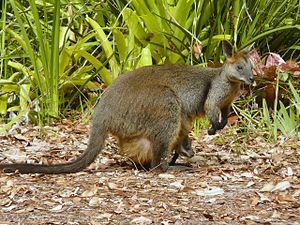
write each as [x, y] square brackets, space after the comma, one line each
[248, 48]
[227, 49]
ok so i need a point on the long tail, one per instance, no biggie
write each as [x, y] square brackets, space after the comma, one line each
[96, 142]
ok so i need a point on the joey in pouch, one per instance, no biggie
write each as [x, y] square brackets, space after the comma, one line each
[185, 149]
[151, 111]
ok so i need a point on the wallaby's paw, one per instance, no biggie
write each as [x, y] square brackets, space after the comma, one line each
[222, 125]
[211, 131]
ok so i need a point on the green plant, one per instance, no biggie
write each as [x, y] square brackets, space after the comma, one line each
[285, 119]
[200, 124]
[272, 24]
[53, 51]
[43, 69]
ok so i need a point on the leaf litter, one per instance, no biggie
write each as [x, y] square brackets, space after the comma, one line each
[258, 185]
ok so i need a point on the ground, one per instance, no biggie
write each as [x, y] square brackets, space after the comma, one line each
[235, 179]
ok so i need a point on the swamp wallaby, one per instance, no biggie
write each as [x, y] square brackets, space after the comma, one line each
[151, 111]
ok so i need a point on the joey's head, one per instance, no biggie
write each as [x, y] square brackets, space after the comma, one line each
[238, 66]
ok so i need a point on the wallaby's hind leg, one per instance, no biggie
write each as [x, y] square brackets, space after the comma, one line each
[159, 160]
[164, 142]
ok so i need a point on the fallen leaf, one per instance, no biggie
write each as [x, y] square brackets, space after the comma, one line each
[166, 176]
[104, 216]
[254, 201]
[15, 154]
[290, 172]
[8, 209]
[282, 186]
[89, 193]
[285, 198]
[250, 183]
[5, 202]
[120, 208]
[188, 190]
[262, 197]
[276, 215]
[297, 193]
[57, 208]
[268, 187]
[141, 220]
[25, 210]
[250, 217]
[208, 216]
[94, 202]
[211, 191]
[21, 137]
[247, 174]
[177, 184]
[216, 178]
[211, 200]
[112, 186]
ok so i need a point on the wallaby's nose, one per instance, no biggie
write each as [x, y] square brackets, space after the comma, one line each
[251, 79]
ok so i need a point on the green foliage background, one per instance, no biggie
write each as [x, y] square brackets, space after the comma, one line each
[58, 55]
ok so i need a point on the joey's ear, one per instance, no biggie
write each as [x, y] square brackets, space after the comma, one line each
[227, 49]
[248, 48]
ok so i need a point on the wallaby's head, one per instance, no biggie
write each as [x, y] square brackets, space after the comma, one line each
[238, 66]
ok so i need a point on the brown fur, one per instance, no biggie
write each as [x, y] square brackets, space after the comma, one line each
[234, 58]
[151, 111]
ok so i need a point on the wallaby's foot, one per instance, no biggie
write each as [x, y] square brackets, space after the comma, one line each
[180, 164]
[180, 168]
[161, 168]
[222, 124]
[212, 131]
[217, 126]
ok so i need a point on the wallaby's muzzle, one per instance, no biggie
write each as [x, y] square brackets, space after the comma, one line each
[251, 80]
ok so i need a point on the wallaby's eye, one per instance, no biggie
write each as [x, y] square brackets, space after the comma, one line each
[240, 67]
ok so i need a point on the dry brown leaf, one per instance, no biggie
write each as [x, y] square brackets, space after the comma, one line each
[94, 201]
[188, 190]
[90, 192]
[57, 208]
[112, 186]
[262, 197]
[21, 137]
[9, 208]
[120, 208]
[285, 198]
[255, 201]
